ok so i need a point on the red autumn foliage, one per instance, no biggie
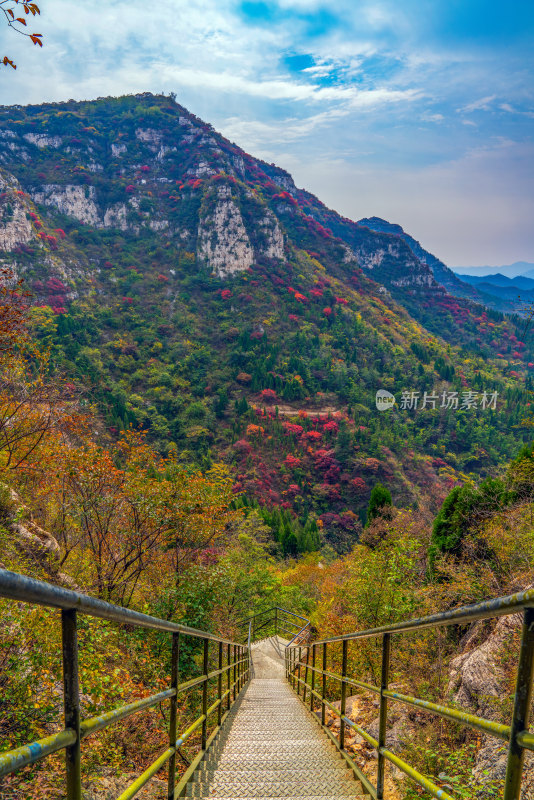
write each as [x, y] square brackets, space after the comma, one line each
[291, 427]
[292, 461]
[327, 311]
[358, 485]
[331, 426]
[225, 294]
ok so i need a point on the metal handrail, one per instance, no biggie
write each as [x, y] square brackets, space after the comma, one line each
[278, 623]
[517, 734]
[237, 669]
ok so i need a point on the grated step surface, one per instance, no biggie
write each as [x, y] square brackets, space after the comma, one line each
[270, 747]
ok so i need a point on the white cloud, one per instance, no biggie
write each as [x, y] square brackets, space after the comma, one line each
[432, 117]
[483, 104]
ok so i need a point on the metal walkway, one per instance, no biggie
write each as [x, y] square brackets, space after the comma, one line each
[270, 746]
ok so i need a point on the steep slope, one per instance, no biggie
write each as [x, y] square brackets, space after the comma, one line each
[443, 275]
[195, 291]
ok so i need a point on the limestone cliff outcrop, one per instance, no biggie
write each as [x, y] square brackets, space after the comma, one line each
[224, 242]
[15, 227]
[72, 200]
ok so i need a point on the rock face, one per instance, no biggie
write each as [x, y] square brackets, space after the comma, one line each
[74, 201]
[32, 540]
[15, 227]
[274, 239]
[478, 682]
[223, 241]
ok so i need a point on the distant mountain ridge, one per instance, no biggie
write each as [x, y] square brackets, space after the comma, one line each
[509, 270]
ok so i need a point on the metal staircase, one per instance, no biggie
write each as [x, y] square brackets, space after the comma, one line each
[255, 737]
[270, 745]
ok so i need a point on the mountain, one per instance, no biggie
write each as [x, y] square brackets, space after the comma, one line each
[519, 282]
[192, 289]
[510, 270]
[443, 275]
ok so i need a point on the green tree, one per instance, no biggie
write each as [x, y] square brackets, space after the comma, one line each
[379, 502]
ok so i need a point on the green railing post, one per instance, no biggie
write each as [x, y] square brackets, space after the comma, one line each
[175, 655]
[234, 690]
[276, 621]
[523, 697]
[306, 675]
[205, 667]
[343, 695]
[386, 648]
[312, 678]
[219, 685]
[323, 687]
[299, 668]
[228, 677]
[71, 698]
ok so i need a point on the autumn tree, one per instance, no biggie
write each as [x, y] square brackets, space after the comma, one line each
[12, 8]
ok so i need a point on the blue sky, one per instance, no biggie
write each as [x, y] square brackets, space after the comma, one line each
[420, 111]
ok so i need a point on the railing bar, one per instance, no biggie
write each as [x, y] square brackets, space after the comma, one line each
[369, 687]
[264, 624]
[182, 786]
[137, 785]
[28, 590]
[416, 776]
[283, 628]
[187, 733]
[368, 787]
[292, 614]
[94, 724]
[325, 701]
[525, 739]
[498, 607]
[455, 715]
[13, 760]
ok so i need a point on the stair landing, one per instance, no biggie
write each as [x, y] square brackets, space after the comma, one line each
[270, 746]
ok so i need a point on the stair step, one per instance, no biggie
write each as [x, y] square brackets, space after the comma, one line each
[288, 789]
[280, 768]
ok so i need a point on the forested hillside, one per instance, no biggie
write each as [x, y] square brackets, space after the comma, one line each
[190, 290]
